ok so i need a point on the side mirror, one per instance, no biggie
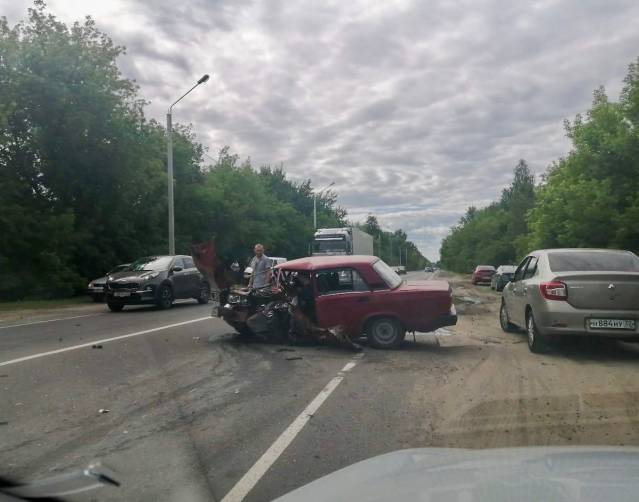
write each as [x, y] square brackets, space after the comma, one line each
[176, 269]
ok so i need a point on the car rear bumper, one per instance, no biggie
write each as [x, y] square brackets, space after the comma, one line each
[566, 320]
[442, 321]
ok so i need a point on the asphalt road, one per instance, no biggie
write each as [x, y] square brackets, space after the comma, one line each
[197, 414]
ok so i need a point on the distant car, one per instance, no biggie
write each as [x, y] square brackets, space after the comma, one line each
[429, 269]
[589, 292]
[95, 289]
[156, 280]
[275, 260]
[502, 276]
[483, 273]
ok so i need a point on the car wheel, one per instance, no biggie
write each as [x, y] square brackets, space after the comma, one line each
[165, 297]
[115, 307]
[205, 294]
[505, 324]
[385, 333]
[536, 341]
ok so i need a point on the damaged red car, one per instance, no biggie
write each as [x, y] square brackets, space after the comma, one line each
[364, 296]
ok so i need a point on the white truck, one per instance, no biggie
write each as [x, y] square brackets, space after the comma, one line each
[338, 241]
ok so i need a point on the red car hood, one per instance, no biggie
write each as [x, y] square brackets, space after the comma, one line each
[425, 286]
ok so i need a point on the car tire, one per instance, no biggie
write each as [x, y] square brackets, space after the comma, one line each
[115, 307]
[505, 324]
[385, 333]
[164, 298]
[205, 294]
[536, 341]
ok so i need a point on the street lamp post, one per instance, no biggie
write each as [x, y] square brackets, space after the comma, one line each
[169, 163]
[315, 204]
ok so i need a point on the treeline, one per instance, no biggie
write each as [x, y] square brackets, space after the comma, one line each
[394, 247]
[83, 171]
[590, 198]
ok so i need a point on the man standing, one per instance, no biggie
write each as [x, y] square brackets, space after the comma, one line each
[261, 265]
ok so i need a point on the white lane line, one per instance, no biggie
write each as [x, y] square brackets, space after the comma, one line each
[255, 473]
[104, 340]
[48, 320]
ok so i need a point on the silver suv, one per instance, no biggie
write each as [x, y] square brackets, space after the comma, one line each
[592, 292]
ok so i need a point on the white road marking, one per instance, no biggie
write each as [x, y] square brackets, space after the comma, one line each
[48, 320]
[104, 340]
[255, 473]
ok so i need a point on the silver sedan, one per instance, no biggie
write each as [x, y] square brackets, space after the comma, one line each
[556, 292]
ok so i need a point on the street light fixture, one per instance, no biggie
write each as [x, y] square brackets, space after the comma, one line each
[169, 156]
[315, 204]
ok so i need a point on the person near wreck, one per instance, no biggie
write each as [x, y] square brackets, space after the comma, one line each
[261, 265]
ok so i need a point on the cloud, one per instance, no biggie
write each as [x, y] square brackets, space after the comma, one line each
[415, 109]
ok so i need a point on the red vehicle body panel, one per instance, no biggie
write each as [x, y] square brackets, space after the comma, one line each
[418, 305]
[482, 275]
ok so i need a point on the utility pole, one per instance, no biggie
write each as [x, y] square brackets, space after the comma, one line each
[169, 163]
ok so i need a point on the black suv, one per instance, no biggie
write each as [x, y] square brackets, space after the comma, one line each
[156, 280]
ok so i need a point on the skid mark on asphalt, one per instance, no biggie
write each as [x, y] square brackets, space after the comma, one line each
[264, 463]
[48, 320]
[103, 340]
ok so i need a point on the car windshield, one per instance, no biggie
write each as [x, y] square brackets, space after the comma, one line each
[330, 246]
[120, 268]
[152, 263]
[507, 269]
[389, 276]
[587, 261]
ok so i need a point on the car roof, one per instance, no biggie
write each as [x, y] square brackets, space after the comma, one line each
[576, 250]
[319, 262]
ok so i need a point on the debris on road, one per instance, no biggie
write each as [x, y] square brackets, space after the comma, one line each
[4, 423]
[102, 411]
[96, 346]
[196, 338]
[4, 375]
[295, 358]
[285, 349]
[237, 391]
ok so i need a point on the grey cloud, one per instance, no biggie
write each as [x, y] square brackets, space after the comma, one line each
[415, 110]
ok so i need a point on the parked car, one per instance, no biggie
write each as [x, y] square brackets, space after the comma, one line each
[275, 260]
[429, 269]
[156, 280]
[482, 273]
[502, 276]
[366, 297]
[588, 292]
[95, 289]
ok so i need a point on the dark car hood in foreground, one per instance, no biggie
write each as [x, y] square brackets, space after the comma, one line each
[129, 275]
[513, 474]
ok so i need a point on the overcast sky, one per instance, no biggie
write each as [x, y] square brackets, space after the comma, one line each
[415, 110]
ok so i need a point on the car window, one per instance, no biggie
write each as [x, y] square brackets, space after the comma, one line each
[179, 262]
[388, 275]
[519, 273]
[188, 262]
[603, 261]
[531, 267]
[339, 281]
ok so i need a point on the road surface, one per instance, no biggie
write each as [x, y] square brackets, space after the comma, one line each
[196, 414]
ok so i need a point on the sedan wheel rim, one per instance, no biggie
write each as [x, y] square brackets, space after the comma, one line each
[531, 331]
[384, 332]
[503, 318]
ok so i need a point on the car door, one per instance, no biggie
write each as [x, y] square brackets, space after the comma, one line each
[528, 287]
[194, 277]
[343, 298]
[513, 295]
[179, 278]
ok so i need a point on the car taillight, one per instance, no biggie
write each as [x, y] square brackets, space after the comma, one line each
[553, 290]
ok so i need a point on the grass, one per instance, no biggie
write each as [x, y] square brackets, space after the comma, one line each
[43, 304]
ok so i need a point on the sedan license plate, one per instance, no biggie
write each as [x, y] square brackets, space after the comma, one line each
[612, 324]
[121, 294]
